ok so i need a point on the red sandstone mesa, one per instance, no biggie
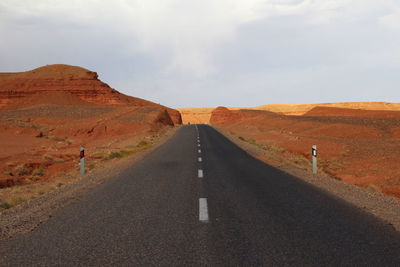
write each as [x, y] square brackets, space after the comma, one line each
[46, 115]
[64, 85]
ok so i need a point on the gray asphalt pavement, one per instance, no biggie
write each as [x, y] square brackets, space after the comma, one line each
[250, 214]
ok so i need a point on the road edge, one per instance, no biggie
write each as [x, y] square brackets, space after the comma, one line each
[28, 215]
[382, 206]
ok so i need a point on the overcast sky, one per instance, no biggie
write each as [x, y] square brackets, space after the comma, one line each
[197, 53]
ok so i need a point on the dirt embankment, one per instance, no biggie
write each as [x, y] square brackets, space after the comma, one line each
[356, 149]
[29, 214]
[47, 114]
[382, 206]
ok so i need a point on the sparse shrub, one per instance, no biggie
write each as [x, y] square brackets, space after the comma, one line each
[21, 170]
[37, 172]
[373, 187]
[91, 166]
[58, 139]
[48, 157]
[17, 200]
[125, 153]
[69, 141]
[141, 149]
[4, 205]
[59, 185]
[114, 155]
[251, 141]
[329, 171]
[59, 160]
[242, 138]
[142, 143]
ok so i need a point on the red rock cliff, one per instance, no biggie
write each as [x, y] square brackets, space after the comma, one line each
[222, 115]
[71, 85]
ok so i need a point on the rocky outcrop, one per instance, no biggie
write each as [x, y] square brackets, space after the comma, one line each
[164, 118]
[175, 116]
[196, 115]
[222, 115]
[65, 85]
[79, 82]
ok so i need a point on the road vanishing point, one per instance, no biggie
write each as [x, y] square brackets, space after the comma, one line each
[199, 200]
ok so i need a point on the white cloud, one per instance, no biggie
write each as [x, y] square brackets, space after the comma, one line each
[392, 19]
[201, 39]
[189, 32]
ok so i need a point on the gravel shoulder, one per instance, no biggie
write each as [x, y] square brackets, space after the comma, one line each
[382, 206]
[28, 215]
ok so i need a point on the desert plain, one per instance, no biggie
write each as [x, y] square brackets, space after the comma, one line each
[357, 142]
[49, 113]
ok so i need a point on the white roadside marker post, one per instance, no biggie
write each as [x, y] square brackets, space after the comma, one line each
[314, 159]
[82, 161]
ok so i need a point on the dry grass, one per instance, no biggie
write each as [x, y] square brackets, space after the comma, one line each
[373, 188]
[21, 170]
[37, 172]
[331, 166]
[39, 185]
[278, 154]
[10, 197]
[142, 145]
[48, 157]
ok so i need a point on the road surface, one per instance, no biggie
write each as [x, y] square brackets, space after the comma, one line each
[199, 200]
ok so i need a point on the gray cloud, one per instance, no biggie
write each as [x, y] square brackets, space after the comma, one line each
[209, 53]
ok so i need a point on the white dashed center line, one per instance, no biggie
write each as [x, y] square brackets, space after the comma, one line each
[199, 150]
[198, 144]
[203, 210]
[200, 159]
[200, 173]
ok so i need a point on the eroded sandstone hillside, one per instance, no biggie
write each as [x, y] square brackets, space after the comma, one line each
[64, 85]
[47, 114]
[356, 146]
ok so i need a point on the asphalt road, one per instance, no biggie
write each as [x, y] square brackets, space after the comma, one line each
[250, 214]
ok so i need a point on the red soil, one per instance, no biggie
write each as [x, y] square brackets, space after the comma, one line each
[202, 115]
[346, 112]
[48, 113]
[301, 109]
[357, 149]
